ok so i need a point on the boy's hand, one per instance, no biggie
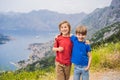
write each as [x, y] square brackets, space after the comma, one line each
[87, 42]
[87, 68]
[60, 49]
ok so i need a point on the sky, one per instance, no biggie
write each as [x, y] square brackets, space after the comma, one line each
[61, 6]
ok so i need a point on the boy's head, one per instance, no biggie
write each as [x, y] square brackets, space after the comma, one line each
[64, 27]
[81, 32]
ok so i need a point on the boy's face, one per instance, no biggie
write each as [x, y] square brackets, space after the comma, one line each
[80, 37]
[64, 29]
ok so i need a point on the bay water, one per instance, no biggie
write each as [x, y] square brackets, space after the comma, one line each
[16, 49]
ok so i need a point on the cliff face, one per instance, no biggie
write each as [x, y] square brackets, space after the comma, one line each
[115, 3]
[110, 33]
[102, 17]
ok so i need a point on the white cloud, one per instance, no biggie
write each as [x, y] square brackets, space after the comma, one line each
[62, 6]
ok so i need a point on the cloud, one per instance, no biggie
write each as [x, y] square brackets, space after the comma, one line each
[62, 6]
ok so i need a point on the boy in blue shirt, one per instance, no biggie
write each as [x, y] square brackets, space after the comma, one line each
[81, 56]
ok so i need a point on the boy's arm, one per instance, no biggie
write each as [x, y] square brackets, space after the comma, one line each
[89, 61]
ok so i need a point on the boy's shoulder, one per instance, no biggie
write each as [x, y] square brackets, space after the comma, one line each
[72, 36]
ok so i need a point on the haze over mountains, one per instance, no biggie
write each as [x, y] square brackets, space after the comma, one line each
[35, 21]
[45, 21]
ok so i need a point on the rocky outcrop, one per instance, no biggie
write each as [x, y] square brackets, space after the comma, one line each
[110, 33]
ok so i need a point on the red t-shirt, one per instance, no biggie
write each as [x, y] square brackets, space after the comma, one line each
[63, 57]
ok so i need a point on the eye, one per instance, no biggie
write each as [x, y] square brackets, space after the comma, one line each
[65, 27]
[62, 27]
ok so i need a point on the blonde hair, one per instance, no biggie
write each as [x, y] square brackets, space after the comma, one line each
[81, 30]
[68, 24]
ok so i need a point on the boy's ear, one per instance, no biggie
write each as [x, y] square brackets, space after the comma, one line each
[87, 42]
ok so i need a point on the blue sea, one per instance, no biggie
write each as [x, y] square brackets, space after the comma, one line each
[16, 49]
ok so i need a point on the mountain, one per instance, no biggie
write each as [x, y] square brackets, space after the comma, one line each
[35, 22]
[107, 34]
[115, 4]
[102, 17]
[45, 21]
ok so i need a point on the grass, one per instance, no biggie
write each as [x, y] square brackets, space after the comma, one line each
[106, 56]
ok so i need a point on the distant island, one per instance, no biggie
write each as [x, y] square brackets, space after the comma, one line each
[4, 39]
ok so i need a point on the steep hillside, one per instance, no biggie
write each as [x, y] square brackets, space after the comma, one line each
[108, 34]
[102, 17]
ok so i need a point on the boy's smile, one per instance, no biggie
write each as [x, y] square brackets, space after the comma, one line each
[80, 37]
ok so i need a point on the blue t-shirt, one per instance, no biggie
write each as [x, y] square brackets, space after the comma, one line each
[79, 52]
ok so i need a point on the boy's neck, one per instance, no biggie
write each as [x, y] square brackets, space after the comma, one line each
[81, 40]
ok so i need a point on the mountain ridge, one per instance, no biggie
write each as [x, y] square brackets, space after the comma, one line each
[47, 21]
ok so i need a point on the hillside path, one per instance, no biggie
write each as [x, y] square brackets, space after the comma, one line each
[106, 75]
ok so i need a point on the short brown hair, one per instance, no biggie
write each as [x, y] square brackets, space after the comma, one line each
[68, 24]
[81, 30]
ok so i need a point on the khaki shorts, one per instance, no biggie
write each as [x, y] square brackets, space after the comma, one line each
[62, 71]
